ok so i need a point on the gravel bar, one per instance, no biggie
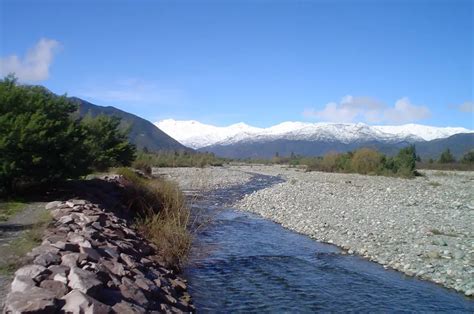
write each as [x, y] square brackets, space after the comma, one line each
[422, 227]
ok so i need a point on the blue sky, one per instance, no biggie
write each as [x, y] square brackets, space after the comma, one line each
[261, 62]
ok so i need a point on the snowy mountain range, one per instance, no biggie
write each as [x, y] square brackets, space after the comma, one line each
[198, 135]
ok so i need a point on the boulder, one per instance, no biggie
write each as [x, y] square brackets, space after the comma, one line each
[52, 205]
[35, 272]
[84, 281]
[22, 284]
[35, 300]
[77, 302]
[128, 308]
[91, 253]
[131, 292]
[58, 288]
[47, 259]
[72, 259]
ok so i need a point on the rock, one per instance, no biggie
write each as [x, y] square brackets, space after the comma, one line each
[112, 252]
[22, 284]
[91, 253]
[72, 259]
[58, 288]
[52, 205]
[128, 308]
[77, 302]
[114, 267]
[84, 281]
[35, 272]
[44, 248]
[65, 220]
[61, 278]
[59, 269]
[131, 292]
[47, 259]
[128, 260]
[66, 246]
[35, 300]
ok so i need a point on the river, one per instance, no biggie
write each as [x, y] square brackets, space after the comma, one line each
[241, 262]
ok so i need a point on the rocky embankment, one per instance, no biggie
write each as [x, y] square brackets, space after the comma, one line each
[92, 261]
[422, 227]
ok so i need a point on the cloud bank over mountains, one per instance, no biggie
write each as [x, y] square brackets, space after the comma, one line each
[369, 110]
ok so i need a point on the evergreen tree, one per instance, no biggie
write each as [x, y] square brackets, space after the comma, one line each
[38, 139]
[446, 157]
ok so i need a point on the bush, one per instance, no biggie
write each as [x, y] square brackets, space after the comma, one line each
[366, 161]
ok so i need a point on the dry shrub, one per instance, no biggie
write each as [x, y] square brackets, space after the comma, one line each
[162, 215]
[329, 162]
[367, 161]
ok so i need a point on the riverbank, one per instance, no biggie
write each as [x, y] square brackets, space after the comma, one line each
[422, 227]
[92, 259]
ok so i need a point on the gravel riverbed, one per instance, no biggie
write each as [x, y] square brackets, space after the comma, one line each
[204, 179]
[422, 227]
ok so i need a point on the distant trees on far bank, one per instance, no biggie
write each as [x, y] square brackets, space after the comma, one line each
[41, 142]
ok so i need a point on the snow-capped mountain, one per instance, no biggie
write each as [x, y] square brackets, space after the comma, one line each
[198, 135]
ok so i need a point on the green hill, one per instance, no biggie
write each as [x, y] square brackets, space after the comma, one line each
[142, 133]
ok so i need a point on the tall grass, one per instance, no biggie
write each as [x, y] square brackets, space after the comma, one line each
[161, 215]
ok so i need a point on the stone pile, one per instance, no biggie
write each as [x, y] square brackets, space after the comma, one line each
[92, 261]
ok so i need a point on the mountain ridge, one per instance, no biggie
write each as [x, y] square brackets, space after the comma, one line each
[198, 135]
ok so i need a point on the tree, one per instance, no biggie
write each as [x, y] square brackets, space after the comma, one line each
[446, 157]
[38, 139]
[106, 144]
[468, 158]
[405, 161]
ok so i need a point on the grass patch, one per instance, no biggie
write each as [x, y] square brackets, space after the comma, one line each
[14, 253]
[434, 183]
[10, 208]
[161, 215]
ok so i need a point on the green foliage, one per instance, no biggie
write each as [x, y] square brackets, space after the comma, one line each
[468, 158]
[175, 159]
[405, 161]
[38, 140]
[107, 146]
[446, 157]
[41, 142]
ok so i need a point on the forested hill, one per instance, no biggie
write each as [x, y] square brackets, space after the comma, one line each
[142, 133]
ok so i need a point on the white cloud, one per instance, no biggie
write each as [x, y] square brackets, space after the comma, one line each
[367, 109]
[468, 106]
[405, 112]
[132, 91]
[36, 63]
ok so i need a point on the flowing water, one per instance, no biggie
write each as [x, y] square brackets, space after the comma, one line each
[244, 263]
